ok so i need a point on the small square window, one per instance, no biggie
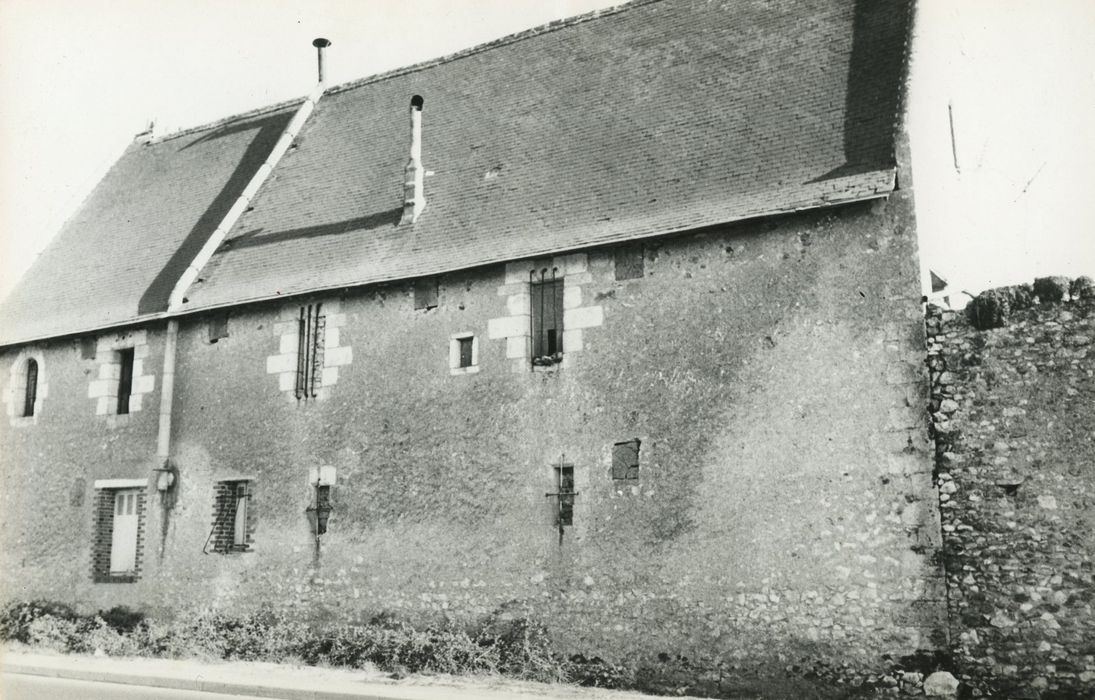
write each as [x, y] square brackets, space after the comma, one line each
[425, 293]
[463, 353]
[625, 460]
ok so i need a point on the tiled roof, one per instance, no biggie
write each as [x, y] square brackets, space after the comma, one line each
[120, 254]
[660, 117]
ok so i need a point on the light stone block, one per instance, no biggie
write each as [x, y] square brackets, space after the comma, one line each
[110, 371]
[138, 366]
[281, 363]
[572, 296]
[572, 340]
[518, 272]
[288, 344]
[585, 317]
[517, 347]
[286, 328]
[336, 320]
[331, 338]
[518, 304]
[580, 278]
[102, 407]
[101, 387]
[506, 290]
[144, 384]
[287, 381]
[508, 327]
[135, 402]
[289, 313]
[330, 376]
[571, 264]
[141, 351]
[336, 357]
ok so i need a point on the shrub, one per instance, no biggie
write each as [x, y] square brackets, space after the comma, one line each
[17, 617]
[122, 619]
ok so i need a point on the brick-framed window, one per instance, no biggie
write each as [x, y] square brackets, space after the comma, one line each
[546, 314]
[233, 517]
[125, 379]
[119, 530]
[311, 329]
[625, 460]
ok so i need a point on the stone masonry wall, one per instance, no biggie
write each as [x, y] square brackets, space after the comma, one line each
[1014, 419]
[783, 518]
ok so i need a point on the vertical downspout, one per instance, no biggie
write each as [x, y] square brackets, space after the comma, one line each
[166, 471]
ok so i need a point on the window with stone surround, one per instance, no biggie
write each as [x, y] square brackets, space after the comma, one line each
[310, 344]
[30, 391]
[546, 314]
[119, 536]
[125, 379]
[233, 517]
[625, 460]
[463, 353]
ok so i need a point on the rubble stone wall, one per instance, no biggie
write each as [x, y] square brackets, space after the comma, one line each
[1013, 403]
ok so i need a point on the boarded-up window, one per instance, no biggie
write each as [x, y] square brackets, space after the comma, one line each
[629, 262]
[425, 293]
[218, 327]
[125, 379]
[547, 320]
[625, 460]
[87, 348]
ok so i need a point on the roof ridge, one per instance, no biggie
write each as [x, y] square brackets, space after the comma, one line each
[422, 65]
[496, 43]
[249, 114]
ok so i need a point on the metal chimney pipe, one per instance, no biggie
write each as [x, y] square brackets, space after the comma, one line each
[320, 45]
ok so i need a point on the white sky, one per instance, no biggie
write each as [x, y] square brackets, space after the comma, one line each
[78, 78]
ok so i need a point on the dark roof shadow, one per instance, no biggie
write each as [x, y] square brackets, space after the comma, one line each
[256, 237]
[876, 85]
[156, 296]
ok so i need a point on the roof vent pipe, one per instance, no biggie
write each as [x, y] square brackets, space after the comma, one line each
[321, 44]
[414, 191]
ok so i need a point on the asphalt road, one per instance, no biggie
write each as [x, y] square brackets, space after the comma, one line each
[14, 686]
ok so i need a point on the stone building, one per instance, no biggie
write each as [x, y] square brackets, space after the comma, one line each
[613, 324]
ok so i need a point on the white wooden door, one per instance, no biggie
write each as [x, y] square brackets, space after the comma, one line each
[123, 545]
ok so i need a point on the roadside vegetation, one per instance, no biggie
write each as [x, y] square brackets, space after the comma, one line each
[514, 648]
